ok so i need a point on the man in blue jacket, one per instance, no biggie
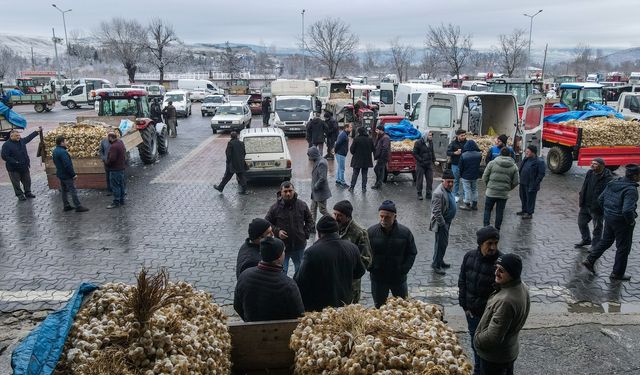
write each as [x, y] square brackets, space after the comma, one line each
[532, 171]
[454, 151]
[501, 142]
[469, 166]
[14, 153]
[341, 150]
[619, 201]
[67, 175]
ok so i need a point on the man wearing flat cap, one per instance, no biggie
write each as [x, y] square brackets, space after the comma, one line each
[328, 269]
[265, 292]
[350, 230]
[594, 183]
[393, 251]
[496, 338]
[249, 253]
[619, 201]
[476, 281]
[443, 210]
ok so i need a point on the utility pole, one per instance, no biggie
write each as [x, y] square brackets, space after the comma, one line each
[33, 60]
[304, 68]
[526, 69]
[544, 62]
[55, 48]
[66, 39]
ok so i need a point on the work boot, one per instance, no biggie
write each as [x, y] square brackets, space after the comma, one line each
[81, 209]
[350, 189]
[243, 192]
[582, 243]
[527, 216]
[520, 213]
[29, 195]
[113, 205]
[22, 198]
[439, 271]
[68, 208]
[465, 207]
[445, 265]
[588, 265]
[217, 188]
[615, 276]
[427, 195]
[420, 196]
[474, 206]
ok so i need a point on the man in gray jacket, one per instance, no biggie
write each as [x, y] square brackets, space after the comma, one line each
[500, 177]
[443, 210]
[320, 191]
[496, 338]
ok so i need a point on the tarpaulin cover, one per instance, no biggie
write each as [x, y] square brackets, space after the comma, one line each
[580, 115]
[12, 117]
[11, 92]
[39, 352]
[402, 130]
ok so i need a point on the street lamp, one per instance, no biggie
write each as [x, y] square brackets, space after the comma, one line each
[66, 39]
[530, 29]
[304, 73]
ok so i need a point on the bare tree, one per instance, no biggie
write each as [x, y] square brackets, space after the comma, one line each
[331, 42]
[450, 45]
[583, 59]
[161, 37]
[400, 60]
[230, 62]
[513, 54]
[10, 62]
[126, 41]
[371, 59]
[429, 65]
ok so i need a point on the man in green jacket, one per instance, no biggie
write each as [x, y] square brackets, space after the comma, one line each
[354, 233]
[496, 338]
[500, 177]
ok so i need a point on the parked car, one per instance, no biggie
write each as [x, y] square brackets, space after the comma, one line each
[210, 103]
[198, 95]
[267, 153]
[231, 116]
[180, 100]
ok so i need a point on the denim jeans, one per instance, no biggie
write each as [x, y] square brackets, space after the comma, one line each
[340, 173]
[456, 180]
[488, 207]
[68, 186]
[296, 256]
[470, 190]
[472, 324]
[380, 291]
[117, 186]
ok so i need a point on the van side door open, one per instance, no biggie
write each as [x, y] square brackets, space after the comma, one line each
[530, 129]
[440, 114]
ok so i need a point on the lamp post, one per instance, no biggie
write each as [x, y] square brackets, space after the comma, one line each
[526, 69]
[66, 39]
[304, 72]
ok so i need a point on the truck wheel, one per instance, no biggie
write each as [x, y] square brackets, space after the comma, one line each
[148, 149]
[71, 104]
[559, 160]
[163, 142]
[39, 107]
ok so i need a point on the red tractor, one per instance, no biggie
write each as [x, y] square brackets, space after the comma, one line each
[361, 112]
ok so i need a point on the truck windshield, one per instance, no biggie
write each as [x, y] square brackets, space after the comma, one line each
[262, 145]
[230, 110]
[174, 97]
[119, 107]
[213, 99]
[293, 105]
[592, 95]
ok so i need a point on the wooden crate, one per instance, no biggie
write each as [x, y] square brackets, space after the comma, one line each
[90, 172]
[131, 140]
[262, 347]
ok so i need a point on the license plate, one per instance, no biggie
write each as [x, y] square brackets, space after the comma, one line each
[224, 126]
[294, 129]
[262, 164]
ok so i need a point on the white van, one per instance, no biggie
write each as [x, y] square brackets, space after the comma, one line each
[407, 95]
[386, 104]
[181, 100]
[81, 93]
[481, 113]
[192, 84]
[267, 154]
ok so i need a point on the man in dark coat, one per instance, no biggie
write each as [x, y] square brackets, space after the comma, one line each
[532, 171]
[291, 220]
[265, 292]
[249, 253]
[156, 110]
[14, 153]
[362, 151]
[381, 155]
[116, 164]
[266, 111]
[316, 131]
[66, 174]
[619, 201]
[454, 151]
[594, 183]
[477, 279]
[320, 191]
[235, 154]
[328, 269]
[469, 166]
[332, 134]
[425, 157]
[171, 119]
[393, 251]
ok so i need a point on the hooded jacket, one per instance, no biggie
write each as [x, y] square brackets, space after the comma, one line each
[620, 200]
[500, 177]
[593, 185]
[476, 280]
[423, 152]
[294, 217]
[320, 185]
[469, 162]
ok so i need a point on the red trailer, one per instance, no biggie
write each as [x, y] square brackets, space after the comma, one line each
[400, 161]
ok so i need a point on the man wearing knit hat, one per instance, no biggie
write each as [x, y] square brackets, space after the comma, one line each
[443, 210]
[496, 338]
[476, 281]
[594, 183]
[393, 251]
[619, 201]
[350, 230]
[320, 190]
[265, 292]
[249, 253]
[328, 269]
[501, 142]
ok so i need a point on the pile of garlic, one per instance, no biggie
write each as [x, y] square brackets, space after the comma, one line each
[607, 131]
[402, 337]
[186, 337]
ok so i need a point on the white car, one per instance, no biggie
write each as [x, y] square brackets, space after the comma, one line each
[267, 153]
[211, 102]
[180, 100]
[198, 95]
[231, 116]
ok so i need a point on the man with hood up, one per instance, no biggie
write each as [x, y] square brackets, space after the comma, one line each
[469, 166]
[500, 177]
[320, 191]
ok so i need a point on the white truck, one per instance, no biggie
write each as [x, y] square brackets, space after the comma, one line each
[193, 84]
[81, 93]
[407, 95]
[292, 104]
[629, 105]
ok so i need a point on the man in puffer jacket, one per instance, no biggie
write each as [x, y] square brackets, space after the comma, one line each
[469, 173]
[500, 177]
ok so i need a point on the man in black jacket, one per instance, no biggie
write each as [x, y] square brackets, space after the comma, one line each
[67, 175]
[316, 132]
[328, 269]
[249, 253]
[265, 292]
[14, 153]
[266, 111]
[594, 183]
[292, 222]
[362, 150]
[477, 279]
[381, 155]
[235, 154]
[454, 151]
[393, 251]
[332, 130]
[532, 171]
[425, 159]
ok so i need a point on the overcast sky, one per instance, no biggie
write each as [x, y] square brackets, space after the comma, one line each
[563, 23]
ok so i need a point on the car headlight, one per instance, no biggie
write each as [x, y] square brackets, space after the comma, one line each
[235, 122]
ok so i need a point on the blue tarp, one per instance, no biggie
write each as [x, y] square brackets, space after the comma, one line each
[12, 117]
[11, 92]
[39, 352]
[580, 115]
[402, 130]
